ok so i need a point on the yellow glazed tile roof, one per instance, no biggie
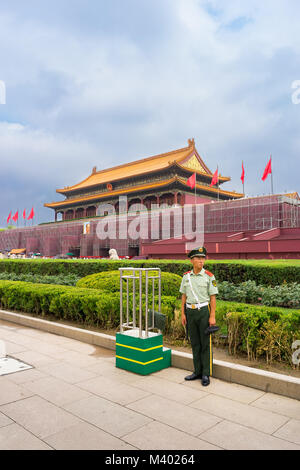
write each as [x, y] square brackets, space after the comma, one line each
[146, 165]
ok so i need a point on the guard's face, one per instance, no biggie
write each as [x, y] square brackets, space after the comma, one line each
[198, 262]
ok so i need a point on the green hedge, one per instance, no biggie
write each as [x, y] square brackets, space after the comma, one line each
[259, 331]
[263, 272]
[110, 282]
[89, 306]
[60, 279]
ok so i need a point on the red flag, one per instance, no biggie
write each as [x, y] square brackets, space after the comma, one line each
[31, 215]
[215, 178]
[268, 170]
[8, 218]
[243, 173]
[24, 214]
[16, 216]
[191, 182]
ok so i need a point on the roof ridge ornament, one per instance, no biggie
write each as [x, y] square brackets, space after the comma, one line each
[191, 142]
[94, 170]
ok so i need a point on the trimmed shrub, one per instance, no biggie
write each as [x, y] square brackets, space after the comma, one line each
[255, 330]
[110, 282]
[89, 306]
[62, 279]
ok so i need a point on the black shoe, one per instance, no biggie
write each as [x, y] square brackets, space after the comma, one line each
[205, 380]
[192, 377]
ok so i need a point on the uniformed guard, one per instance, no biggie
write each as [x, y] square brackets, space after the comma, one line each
[199, 289]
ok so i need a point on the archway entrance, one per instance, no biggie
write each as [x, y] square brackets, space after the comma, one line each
[75, 250]
[134, 251]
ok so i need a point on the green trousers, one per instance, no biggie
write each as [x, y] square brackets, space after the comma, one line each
[198, 321]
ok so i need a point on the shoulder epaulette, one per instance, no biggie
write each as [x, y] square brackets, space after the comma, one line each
[209, 273]
[187, 272]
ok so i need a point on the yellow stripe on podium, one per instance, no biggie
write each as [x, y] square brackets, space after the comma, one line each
[139, 349]
[138, 362]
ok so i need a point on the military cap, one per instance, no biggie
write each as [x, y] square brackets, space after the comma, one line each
[201, 251]
[211, 329]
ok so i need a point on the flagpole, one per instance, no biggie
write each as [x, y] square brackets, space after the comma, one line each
[243, 179]
[195, 186]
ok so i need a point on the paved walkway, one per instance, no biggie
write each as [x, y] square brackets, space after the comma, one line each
[75, 398]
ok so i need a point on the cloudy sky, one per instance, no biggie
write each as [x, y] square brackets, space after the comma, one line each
[100, 83]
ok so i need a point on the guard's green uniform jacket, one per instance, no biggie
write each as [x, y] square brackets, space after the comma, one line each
[204, 285]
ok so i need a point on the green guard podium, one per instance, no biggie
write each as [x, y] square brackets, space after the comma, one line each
[139, 348]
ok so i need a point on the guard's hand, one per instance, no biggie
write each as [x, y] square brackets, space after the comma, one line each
[212, 322]
[183, 320]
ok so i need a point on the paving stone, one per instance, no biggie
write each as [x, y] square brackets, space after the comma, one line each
[113, 390]
[51, 350]
[11, 392]
[169, 390]
[248, 415]
[26, 376]
[12, 348]
[56, 391]
[108, 416]
[4, 420]
[84, 436]
[290, 431]
[174, 414]
[20, 339]
[39, 416]
[232, 436]
[101, 368]
[78, 359]
[87, 349]
[228, 390]
[281, 405]
[39, 335]
[173, 374]
[67, 372]
[35, 358]
[159, 436]
[109, 370]
[14, 437]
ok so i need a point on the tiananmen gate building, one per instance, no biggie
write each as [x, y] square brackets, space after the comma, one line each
[154, 190]
[161, 179]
